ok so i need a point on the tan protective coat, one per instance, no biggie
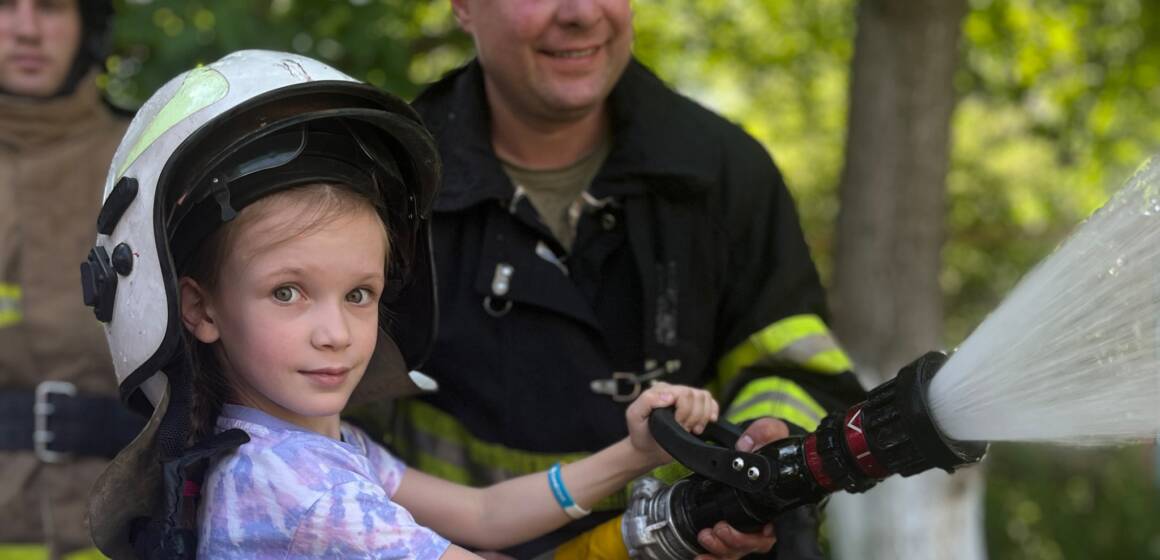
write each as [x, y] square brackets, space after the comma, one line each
[54, 155]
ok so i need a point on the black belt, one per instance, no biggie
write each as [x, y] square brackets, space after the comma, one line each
[55, 422]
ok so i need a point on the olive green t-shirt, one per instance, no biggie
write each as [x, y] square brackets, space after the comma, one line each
[556, 194]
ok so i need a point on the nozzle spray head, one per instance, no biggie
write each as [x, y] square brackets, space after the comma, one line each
[891, 432]
[928, 446]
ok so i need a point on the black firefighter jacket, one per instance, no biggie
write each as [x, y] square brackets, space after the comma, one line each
[693, 250]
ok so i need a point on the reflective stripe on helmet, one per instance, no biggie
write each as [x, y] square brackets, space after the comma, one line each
[201, 88]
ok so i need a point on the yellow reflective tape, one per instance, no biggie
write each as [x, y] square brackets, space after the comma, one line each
[9, 318]
[730, 366]
[10, 297]
[9, 290]
[789, 330]
[830, 361]
[670, 473]
[490, 456]
[603, 542]
[40, 552]
[434, 466]
[787, 401]
[778, 337]
[437, 423]
[776, 410]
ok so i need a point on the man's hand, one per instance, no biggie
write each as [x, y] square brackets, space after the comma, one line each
[722, 541]
[762, 432]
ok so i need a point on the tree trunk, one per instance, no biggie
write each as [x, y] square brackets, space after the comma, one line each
[887, 300]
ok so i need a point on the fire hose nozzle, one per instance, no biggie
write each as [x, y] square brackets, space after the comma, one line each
[891, 432]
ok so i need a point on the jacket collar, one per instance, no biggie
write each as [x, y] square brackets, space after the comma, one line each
[651, 150]
[27, 123]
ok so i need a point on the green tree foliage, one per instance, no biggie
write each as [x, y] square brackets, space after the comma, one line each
[1059, 100]
[395, 44]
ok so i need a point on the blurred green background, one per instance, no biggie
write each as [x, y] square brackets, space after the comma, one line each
[1057, 104]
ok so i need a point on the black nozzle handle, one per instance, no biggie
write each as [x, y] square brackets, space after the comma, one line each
[747, 472]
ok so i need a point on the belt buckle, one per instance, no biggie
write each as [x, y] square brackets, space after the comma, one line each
[41, 410]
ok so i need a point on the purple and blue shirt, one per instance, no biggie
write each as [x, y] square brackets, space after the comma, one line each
[294, 493]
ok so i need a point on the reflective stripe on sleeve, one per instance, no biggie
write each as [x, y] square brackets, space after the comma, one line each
[780, 398]
[798, 339]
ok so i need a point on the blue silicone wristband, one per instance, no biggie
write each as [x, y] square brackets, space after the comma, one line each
[560, 492]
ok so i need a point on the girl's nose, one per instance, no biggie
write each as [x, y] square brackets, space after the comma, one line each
[331, 330]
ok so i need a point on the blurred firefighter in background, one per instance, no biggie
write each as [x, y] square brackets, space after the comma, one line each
[60, 419]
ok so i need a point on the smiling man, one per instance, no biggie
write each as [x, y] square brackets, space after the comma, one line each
[59, 417]
[597, 231]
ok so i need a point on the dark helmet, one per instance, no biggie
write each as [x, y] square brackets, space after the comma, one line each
[96, 37]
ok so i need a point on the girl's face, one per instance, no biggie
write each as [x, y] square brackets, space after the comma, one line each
[295, 313]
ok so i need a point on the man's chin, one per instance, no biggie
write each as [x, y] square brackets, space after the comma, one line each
[26, 87]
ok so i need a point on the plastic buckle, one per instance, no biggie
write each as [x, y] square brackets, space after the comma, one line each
[41, 410]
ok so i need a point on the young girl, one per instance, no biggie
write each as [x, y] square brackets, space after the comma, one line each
[288, 301]
[266, 210]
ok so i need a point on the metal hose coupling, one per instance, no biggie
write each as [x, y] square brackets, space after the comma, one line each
[891, 432]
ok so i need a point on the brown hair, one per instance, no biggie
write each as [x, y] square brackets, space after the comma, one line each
[316, 205]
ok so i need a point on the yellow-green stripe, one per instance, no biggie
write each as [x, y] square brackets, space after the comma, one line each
[780, 398]
[801, 339]
[40, 552]
[449, 451]
[10, 296]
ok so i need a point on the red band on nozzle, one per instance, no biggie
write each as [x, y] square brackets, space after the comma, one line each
[856, 443]
[814, 462]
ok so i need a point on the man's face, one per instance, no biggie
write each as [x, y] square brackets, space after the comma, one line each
[38, 42]
[550, 59]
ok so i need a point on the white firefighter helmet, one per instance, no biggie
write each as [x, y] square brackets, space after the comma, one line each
[208, 143]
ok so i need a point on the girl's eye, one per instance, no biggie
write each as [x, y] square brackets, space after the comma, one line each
[285, 294]
[358, 296]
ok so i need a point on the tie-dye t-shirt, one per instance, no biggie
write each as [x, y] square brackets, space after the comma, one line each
[293, 493]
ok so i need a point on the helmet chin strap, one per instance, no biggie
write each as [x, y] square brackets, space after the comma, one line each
[172, 532]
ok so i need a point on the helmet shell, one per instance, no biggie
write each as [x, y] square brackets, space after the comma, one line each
[247, 94]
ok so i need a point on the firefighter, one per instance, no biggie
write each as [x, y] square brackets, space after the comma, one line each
[595, 232]
[59, 418]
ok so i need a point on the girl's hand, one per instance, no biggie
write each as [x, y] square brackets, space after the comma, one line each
[695, 409]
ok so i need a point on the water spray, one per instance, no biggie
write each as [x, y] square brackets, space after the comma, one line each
[1071, 356]
[891, 432]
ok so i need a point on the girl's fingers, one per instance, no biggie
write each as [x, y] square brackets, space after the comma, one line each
[708, 411]
[694, 407]
[685, 409]
[653, 398]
